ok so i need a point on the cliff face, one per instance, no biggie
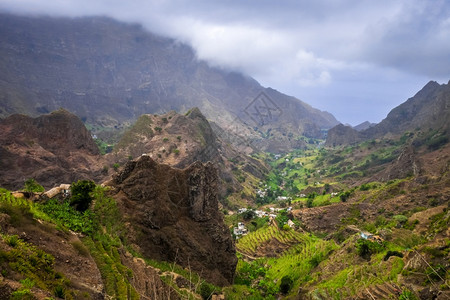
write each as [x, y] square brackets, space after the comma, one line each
[173, 216]
[52, 148]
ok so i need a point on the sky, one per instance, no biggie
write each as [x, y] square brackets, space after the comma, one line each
[357, 59]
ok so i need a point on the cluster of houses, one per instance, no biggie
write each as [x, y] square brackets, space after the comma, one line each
[241, 230]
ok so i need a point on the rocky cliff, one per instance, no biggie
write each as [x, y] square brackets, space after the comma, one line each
[172, 215]
[52, 148]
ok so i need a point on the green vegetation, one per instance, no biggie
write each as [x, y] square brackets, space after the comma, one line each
[35, 266]
[81, 194]
[31, 185]
[365, 248]
[303, 253]
[104, 240]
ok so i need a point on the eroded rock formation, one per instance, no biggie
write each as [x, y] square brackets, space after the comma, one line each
[172, 215]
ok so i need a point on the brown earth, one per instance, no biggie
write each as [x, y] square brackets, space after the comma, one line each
[75, 264]
[172, 215]
[52, 148]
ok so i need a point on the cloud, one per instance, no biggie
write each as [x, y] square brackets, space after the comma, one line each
[320, 51]
[417, 39]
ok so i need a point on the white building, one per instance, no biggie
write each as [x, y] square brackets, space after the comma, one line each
[240, 230]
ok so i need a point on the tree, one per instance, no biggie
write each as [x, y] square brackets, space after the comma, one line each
[286, 284]
[248, 214]
[81, 194]
[33, 186]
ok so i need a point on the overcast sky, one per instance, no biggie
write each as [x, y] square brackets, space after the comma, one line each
[357, 59]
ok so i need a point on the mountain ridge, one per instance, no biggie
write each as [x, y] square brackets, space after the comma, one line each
[109, 73]
[428, 109]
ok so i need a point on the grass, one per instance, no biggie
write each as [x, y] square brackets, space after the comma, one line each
[34, 265]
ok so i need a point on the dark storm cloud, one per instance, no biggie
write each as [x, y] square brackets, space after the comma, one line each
[331, 54]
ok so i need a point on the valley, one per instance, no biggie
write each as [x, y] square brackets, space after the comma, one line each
[130, 169]
[307, 220]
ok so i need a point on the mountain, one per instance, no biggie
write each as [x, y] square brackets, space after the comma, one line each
[428, 110]
[364, 125]
[109, 73]
[52, 148]
[180, 140]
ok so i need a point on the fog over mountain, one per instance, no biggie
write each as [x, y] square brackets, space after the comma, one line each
[354, 59]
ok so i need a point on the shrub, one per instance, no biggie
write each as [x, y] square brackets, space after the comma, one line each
[392, 253]
[286, 284]
[401, 219]
[116, 166]
[344, 196]
[407, 295]
[437, 142]
[27, 283]
[81, 249]
[366, 248]
[206, 290]
[31, 185]
[22, 294]
[248, 214]
[286, 227]
[11, 240]
[81, 198]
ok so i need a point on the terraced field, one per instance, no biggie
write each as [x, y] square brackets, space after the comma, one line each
[302, 253]
[299, 260]
[249, 243]
[367, 278]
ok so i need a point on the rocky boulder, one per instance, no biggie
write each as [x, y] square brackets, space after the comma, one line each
[172, 215]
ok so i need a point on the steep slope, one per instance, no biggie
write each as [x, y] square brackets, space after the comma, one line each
[180, 140]
[428, 110]
[173, 215]
[52, 148]
[174, 139]
[109, 73]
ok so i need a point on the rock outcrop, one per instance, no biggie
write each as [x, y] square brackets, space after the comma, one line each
[52, 148]
[172, 215]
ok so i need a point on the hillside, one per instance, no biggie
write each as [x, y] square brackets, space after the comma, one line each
[148, 233]
[109, 73]
[428, 110]
[53, 148]
[180, 140]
